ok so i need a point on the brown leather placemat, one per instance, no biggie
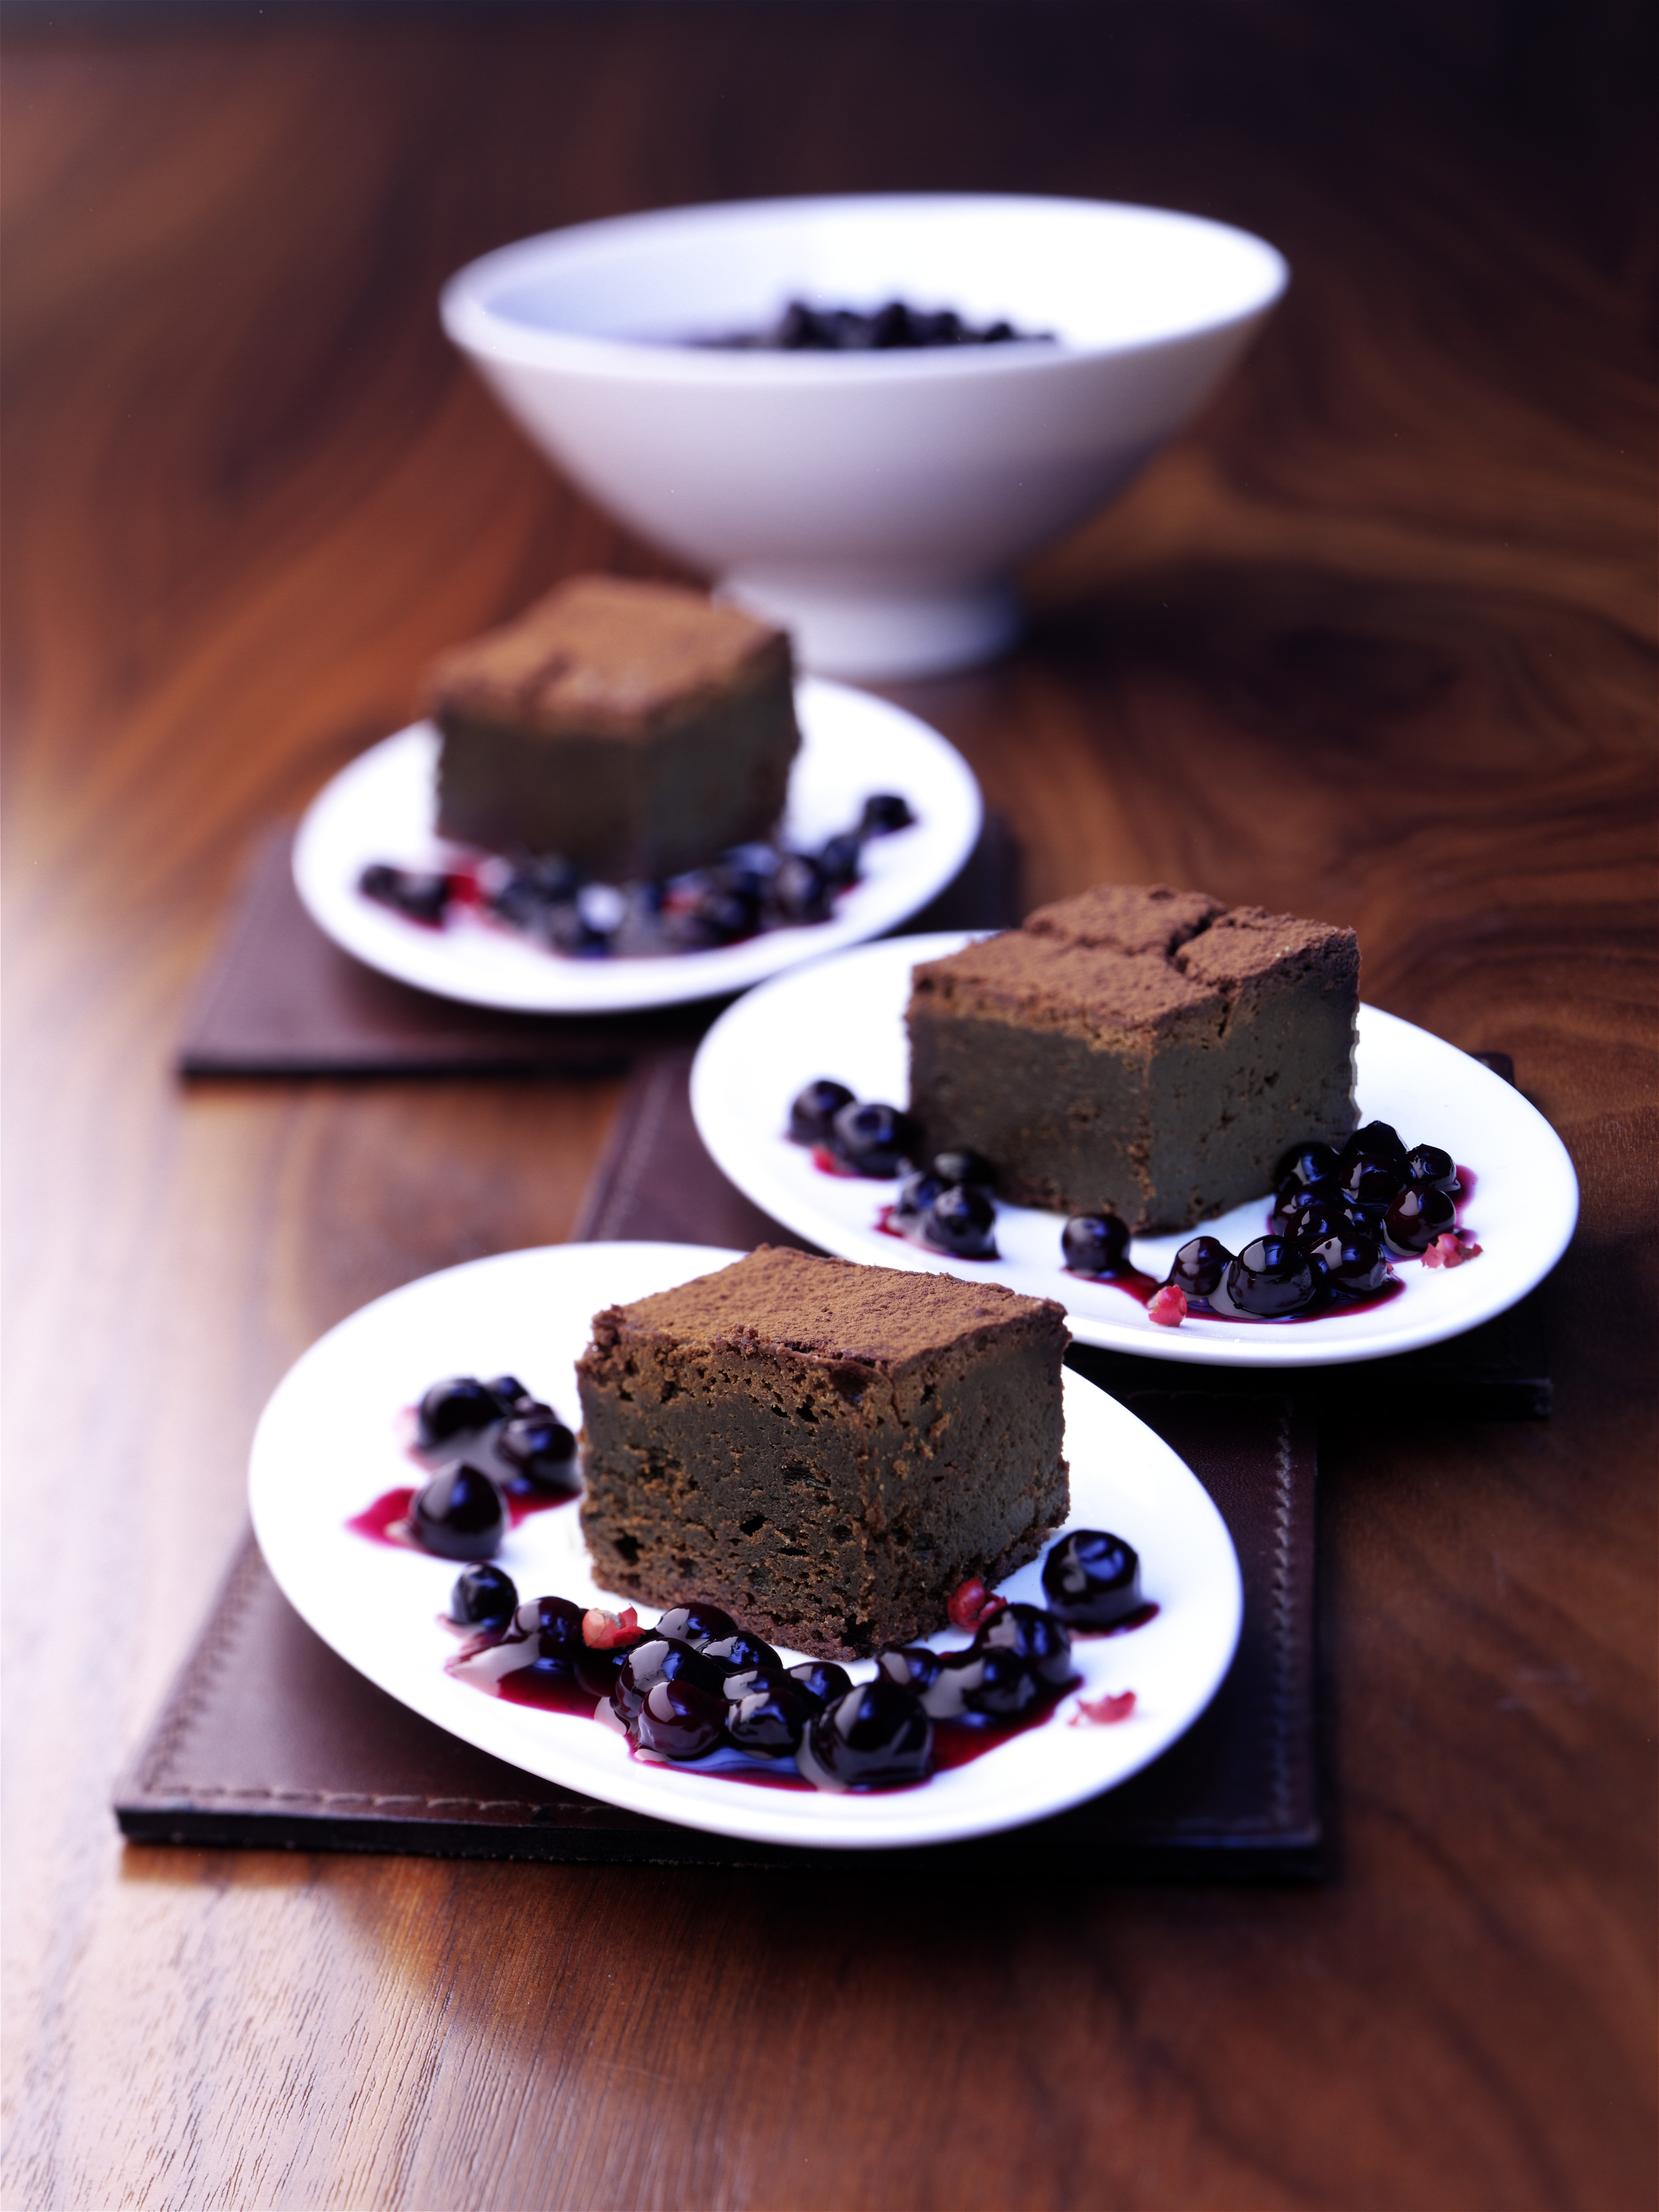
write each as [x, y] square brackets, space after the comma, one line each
[280, 999]
[269, 1740]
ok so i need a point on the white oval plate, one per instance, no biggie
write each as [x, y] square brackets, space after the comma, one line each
[845, 1018]
[380, 807]
[327, 1446]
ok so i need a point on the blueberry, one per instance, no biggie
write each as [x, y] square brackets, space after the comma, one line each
[914, 1667]
[1369, 1181]
[1094, 1243]
[417, 894]
[995, 1682]
[1270, 1277]
[1297, 1201]
[1428, 1164]
[554, 1626]
[820, 1679]
[698, 1623]
[771, 1720]
[1034, 1635]
[1092, 1579]
[661, 1658]
[1199, 1267]
[1377, 1142]
[916, 1194]
[741, 1652]
[678, 1718]
[459, 1515]
[799, 891]
[964, 1166]
[838, 861]
[1310, 1164]
[1356, 1266]
[814, 1110]
[962, 1221]
[541, 1450]
[884, 813]
[568, 931]
[483, 1597]
[1417, 1217]
[461, 1406]
[877, 1734]
[874, 1139]
[509, 1394]
[718, 915]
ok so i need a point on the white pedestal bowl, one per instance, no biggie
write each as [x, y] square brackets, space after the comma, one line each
[877, 503]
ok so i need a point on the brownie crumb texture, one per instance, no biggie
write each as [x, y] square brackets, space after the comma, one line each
[1138, 1050]
[825, 1449]
[635, 729]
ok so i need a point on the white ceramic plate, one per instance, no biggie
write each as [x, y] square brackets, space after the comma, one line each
[379, 807]
[326, 1447]
[845, 1018]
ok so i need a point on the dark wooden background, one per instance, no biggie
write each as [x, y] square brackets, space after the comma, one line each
[1374, 642]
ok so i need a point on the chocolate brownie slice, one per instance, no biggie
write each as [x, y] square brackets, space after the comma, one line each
[635, 729]
[1139, 1051]
[825, 1449]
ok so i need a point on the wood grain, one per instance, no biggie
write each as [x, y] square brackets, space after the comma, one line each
[1375, 641]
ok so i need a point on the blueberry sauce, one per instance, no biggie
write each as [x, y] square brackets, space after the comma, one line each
[380, 1522]
[699, 1691]
[545, 901]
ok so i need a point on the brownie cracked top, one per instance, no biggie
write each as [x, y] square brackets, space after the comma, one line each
[605, 655]
[1126, 958]
[783, 1301]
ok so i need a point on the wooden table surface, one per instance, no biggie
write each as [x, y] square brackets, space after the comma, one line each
[1373, 642]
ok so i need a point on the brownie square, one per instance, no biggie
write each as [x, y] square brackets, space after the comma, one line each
[825, 1449]
[1139, 1051]
[633, 729]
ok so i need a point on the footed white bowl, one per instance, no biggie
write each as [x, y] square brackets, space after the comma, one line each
[877, 503]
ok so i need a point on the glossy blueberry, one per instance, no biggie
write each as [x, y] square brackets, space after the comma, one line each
[459, 1515]
[820, 1679]
[1095, 1243]
[965, 1167]
[678, 1718]
[771, 1720]
[540, 1448]
[510, 1394]
[916, 1194]
[748, 870]
[698, 1623]
[1417, 1217]
[1199, 1267]
[878, 1734]
[1378, 1141]
[1370, 1182]
[1092, 1579]
[741, 1652]
[838, 861]
[874, 1139]
[996, 1682]
[460, 1405]
[659, 1658]
[1271, 1278]
[417, 894]
[1297, 1202]
[1308, 1165]
[813, 1111]
[719, 916]
[799, 891]
[1034, 1635]
[914, 1667]
[483, 1597]
[554, 1626]
[1355, 1265]
[884, 813]
[1428, 1164]
[962, 1221]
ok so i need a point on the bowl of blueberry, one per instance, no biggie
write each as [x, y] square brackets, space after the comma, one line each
[860, 414]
